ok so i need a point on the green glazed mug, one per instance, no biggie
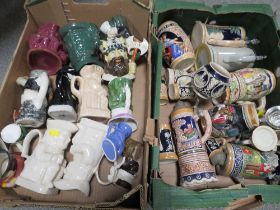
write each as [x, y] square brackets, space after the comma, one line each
[82, 42]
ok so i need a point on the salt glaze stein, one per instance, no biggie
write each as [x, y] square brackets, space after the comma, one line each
[46, 49]
[82, 41]
[64, 103]
[249, 84]
[178, 51]
[92, 96]
[195, 167]
[33, 100]
[227, 36]
[179, 84]
[87, 155]
[167, 148]
[211, 81]
[113, 143]
[13, 133]
[228, 57]
[120, 94]
[245, 162]
[232, 120]
[46, 163]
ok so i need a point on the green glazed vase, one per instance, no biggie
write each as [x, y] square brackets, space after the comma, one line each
[120, 89]
[82, 41]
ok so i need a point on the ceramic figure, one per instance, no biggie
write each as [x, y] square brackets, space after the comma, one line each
[232, 120]
[272, 117]
[113, 143]
[228, 57]
[227, 36]
[87, 154]
[120, 93]
[249, 84]
[178, 51]
[179, 84]
[33, 100]
[167, 148]
[195, 167]
[211, 81]
[82, 41]
[46, 49]
[246, 162]
[92, 96]
[64, 103]
[46, 163]
[13, 133]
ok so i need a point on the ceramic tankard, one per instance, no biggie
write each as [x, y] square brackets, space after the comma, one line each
[46, 163]
[178, 51]
[229, 57]
[211, 81]
[195, 167]
[249, 84]
[32, 112]
[92, 96]
[227, 36]
[87, 154]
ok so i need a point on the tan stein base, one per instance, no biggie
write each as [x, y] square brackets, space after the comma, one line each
[185, 61]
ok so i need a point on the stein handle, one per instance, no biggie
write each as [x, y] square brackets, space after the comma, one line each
[208, 129]
[27, 140]
[74, 90]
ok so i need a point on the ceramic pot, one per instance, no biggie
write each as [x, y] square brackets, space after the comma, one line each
[195, 167]
[46, 49]
[179, 85]
[233, 120]
[227, 36]
[87, 154]
[120, 90]
[228, 57]
[13, 133]
[246, 162]
[113, 143]
[92, 96]
[178, 51]
[64, 103]
[46, 163]
[33, 100]
[249, 84]
[82, 41]
[167, 148]
[211, 81]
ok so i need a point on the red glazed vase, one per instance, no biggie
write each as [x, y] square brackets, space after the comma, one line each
[46, 49]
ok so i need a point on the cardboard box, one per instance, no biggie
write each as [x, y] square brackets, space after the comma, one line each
[62, 12]
[259, 22]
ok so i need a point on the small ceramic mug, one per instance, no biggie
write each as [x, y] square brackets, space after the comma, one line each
[229, 57]
[210, 81]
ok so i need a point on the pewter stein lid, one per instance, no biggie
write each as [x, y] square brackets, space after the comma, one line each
[272, 117]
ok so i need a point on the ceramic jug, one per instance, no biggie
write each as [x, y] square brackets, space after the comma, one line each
[232, 120]
[87, 154]
[228, 57]
[46, 49]
[33, 100]
[246, 162]
[195, 167]
[64, 103]
[92, 96]
[82, 41]
[227, 36]
[46, 163]
[120, 94]
[249, 84]
[178, 51]
[179, 84]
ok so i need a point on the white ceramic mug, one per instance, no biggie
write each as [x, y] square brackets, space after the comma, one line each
[229, 57]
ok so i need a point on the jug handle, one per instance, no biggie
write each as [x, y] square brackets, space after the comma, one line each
[208, 129]
[74, 90]
[27, 140]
